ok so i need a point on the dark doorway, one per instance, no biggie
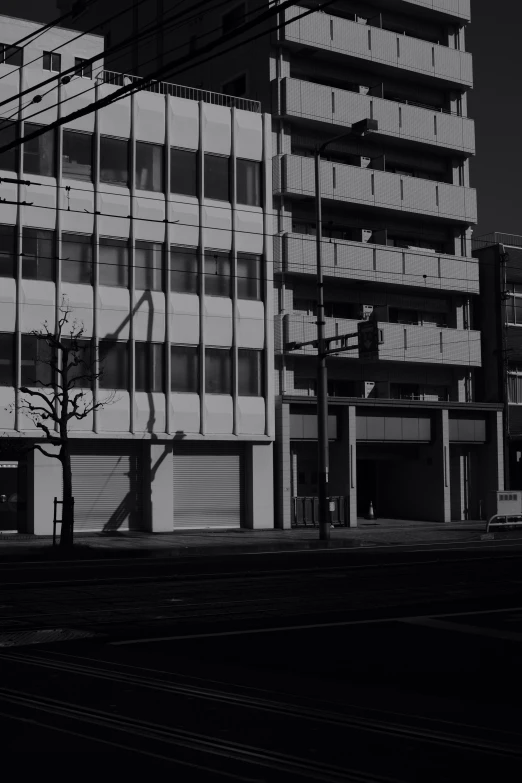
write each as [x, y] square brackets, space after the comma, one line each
[366, 486]
[9, 497]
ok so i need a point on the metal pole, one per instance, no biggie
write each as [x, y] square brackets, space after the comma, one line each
[505, 382]
[322, 382]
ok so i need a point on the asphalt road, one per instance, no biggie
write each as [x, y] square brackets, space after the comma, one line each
[323, 667]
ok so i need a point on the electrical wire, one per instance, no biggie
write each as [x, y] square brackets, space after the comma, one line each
[31, 37]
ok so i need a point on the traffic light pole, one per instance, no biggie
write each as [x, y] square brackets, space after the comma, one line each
[322, 378]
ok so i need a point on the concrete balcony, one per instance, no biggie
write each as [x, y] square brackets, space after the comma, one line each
[296, 254]
[331, 106]
[460, 9]
[294, 176]
[402, 343]
[343, 37]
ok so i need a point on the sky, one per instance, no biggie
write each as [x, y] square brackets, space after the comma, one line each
[495, 103]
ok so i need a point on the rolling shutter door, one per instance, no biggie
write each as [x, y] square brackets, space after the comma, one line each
[208, 487]
[107, 488]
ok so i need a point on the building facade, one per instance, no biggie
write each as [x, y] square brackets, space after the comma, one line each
[149, 218]
[500, 263]
[410, 432]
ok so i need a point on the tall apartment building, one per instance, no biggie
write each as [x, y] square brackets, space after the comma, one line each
[500, 263]
[408, 431]
[150, 217]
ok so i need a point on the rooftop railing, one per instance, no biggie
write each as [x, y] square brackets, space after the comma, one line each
[117, 79]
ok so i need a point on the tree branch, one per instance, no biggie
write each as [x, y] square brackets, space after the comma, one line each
[37, 447]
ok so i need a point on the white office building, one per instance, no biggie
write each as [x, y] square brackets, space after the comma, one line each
[151, 218]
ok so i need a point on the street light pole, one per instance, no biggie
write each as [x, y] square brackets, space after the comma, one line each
[358, 129]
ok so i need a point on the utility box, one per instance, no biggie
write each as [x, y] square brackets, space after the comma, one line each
[508, 504]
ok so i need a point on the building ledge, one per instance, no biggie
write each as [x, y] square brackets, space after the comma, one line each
[402, 404]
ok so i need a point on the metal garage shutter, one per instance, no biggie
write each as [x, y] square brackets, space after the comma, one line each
[208, 487]
[107, 486]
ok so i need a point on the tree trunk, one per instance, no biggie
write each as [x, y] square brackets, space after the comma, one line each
[66, 537]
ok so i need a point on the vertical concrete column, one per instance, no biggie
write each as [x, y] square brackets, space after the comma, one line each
[351, 438]
[493, 476]
[160, 479]
[283, 468]
[441, 459]
[44, 483]
[260, 486]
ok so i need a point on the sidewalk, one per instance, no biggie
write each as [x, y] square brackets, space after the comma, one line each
[197, 543]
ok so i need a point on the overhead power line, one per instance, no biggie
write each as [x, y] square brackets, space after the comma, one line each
[78, 8]
[186, 61]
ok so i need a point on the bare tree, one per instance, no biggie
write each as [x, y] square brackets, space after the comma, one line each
[61, 393]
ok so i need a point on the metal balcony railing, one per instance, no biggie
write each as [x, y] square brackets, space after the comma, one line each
[305, 511]
[117, 79]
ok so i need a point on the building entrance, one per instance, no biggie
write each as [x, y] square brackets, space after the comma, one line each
[9, 497]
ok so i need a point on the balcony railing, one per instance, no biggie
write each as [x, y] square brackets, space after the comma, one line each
[415, 344]
[342, 36]
[181, 91]
[319, 103]
[457, 8]
[296, 254]
[375, 188]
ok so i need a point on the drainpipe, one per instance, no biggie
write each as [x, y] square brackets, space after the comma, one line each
[504, 258]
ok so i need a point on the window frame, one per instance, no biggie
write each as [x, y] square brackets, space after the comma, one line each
[219, 256]
[242, 288]
[72, 133]
[259, 380]
[193, 376]
[218, 386]
[123, 347]
[86, 344]
[118, 182]
[11, 157]
[208, 159]
[153, 354]
[80, 68]
[192, 276]
[14, 52]
[31, 154]
[88, 264]
[28, 234]
[52, 58]
[258, 186]
[194, 164]
[150, 272]
[7, 359]
[43, 379]
[114, 242]
[10, 256]
[141, 145]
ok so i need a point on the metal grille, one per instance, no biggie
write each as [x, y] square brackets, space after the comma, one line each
[208, 487]
[182, 91]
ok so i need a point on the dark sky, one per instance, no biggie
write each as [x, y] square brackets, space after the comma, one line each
[495, 103]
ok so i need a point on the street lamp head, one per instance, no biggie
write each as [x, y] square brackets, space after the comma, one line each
[364, 126]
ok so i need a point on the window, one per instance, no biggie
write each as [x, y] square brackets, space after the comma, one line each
[249, 182]
[77, 155]
[114, 262]
[114, 160]
[236, 87]
[82, 68]
[249, 276]
[217, 184]
[81, 364]
[150, 367]
[38, 254]
[9, 159]
[234, 18]
[77, 259]
[250, 373]
[514, 388]
[217, 273]
[149, 167]
[218, 371]
[148, 266]
[114, 364]
[183, 172]
[39, 152]
[7, 251]
[514, 304]
[7, 360]
[184, 369]
[10, 55]
[184, 270]
[52, 61]
[36, 354]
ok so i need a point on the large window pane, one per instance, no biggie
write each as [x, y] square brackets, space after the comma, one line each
[83, 68]
[184, 369]
[114, 262]
[218, 371]
[148, 266]
[217, 184]
[183, 172]
[39, 152]
[7, 358]
[10, 55]
[249, 182]
[8, 160]
[217, 273]
[184, 270]
[7, 251]
[38, 254]
[77, 259]
[36, 354]
[249, 276]
[81, 367]
[114, 160]
[250, 373]
[149, 166]
[114, 364]
[77, 155]
[150, 367]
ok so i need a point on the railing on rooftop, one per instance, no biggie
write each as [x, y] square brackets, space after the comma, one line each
[117, 79]
[496, 238]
